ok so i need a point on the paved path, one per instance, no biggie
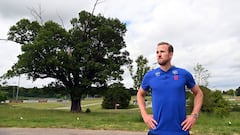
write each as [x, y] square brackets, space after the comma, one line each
[63, 131]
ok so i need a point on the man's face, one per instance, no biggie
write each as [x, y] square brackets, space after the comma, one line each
[163, 55]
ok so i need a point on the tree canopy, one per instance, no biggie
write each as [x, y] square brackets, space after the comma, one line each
[90, 54]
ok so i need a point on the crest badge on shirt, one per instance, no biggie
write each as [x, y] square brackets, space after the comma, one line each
[175, 74]
[157, 74]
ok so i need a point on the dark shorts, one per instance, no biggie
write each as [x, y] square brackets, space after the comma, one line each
[150, 133]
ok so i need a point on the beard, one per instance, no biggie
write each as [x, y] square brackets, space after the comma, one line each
[163, 62]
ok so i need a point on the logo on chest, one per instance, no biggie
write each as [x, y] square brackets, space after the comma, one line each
[157, 74]
[175, 74]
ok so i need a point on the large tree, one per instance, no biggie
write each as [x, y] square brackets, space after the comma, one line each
[142, 68]
[90, 54]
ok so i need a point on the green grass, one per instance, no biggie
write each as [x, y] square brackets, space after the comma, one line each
[11, 115]
[45, 115]
[40, 106]
[213, 125]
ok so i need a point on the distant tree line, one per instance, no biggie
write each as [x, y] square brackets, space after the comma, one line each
[45, 92]
[9, 92]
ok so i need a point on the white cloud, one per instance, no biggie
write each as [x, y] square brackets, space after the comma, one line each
[205, 32]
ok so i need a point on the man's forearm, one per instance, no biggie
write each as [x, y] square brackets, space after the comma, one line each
[198, 100]
[141, 103]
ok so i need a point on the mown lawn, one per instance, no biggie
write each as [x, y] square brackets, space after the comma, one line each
[46, 115]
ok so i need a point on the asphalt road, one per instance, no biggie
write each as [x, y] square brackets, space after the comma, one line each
[63, 131]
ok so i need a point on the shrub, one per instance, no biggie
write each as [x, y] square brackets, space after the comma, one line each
[3, 96]
[213, 102]
[88, 110]
[116, 97]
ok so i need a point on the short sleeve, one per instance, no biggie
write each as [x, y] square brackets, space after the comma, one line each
[190, 80]
[145, 82]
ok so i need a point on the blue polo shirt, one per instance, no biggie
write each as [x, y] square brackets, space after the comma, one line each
[168, 98]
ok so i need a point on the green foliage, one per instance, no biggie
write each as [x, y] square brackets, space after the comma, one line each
[116, 97]
[90, 54]
[221, 106]
[188, 94]
[213, 102]
[88, 110]
[133, 92]
[8, 90]
[24, 31]
[45, 92]
[3, 96]
[230, 92]
[142, 68]
[238, 91]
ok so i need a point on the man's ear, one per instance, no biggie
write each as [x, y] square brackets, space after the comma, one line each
[171, 54]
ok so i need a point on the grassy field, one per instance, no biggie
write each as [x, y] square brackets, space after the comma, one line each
[50, 115]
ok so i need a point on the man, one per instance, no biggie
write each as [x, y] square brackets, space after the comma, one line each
[167, 84]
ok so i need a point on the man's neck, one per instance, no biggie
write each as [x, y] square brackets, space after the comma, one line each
[165, 67]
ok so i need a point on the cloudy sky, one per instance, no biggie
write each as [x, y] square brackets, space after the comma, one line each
[205, 32]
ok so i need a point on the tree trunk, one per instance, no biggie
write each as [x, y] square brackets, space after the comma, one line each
[76, 105]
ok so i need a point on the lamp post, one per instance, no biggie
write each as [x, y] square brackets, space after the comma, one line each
[18, 88]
